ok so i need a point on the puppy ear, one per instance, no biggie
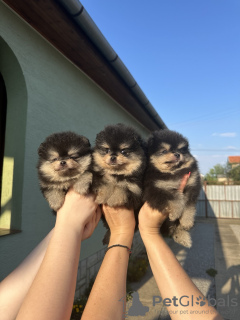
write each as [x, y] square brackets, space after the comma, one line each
[86, 141]
[150, 141]
[41, 150]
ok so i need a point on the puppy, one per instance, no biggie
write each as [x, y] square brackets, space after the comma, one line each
[169, 159]
[119, 161]
[64, 161]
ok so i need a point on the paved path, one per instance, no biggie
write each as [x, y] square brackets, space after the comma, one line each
[216, 244]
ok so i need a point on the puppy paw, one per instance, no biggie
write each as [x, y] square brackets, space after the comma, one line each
[55, 206]
[103, 194]
[174, 214]
[117, 198]
[55, 199]
[176, 208]
[82, 186]
[182, 237]
[187, 218]
[186, 223]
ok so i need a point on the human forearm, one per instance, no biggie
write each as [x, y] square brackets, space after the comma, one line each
[16, 285]
[107, 298]
[51, 295]
[173, 282]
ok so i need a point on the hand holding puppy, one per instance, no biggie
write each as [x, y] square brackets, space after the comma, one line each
[151, 220]
[79, 213]
[121, 222]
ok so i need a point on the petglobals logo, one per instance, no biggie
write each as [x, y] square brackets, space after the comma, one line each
[187, 301]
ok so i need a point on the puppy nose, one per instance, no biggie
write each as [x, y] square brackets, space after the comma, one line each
[113, 158]
[62, 163]
[177, 155]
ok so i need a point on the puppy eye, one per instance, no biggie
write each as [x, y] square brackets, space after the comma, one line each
[53, 160]
[183, 150]
[164, 152]
[74, 157]
[124, 152]
[107, 150]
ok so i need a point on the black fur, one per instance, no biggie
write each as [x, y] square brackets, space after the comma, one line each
[167, 164]
[120, 183]
[64, 161]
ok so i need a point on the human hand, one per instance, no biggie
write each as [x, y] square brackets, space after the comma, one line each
[79, 213]
[121, 222]
[150, 220]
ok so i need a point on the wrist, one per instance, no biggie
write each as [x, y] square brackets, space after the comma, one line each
[123, 239]
[63, 222]
[150, 236]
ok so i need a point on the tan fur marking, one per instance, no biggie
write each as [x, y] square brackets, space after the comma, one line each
[124, 146]
[165, 145]
[182, 237]
[73, 150]
[176, 207]
[83, 184]
[186, 164]
[103, 194]
[134, 188]
[125, 165]
[99, 160]
[84, 163]
[55, 199]
[167, 184]
[117, 198]
[159, 163]
[187, 219]
[53, 154]
[182, 145]
[192, 179]
[105, 145]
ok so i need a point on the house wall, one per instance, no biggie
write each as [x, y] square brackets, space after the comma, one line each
[53, 95]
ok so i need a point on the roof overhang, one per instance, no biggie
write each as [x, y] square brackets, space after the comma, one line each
[50, 20]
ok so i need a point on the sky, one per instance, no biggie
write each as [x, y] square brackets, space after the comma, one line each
[185, 56]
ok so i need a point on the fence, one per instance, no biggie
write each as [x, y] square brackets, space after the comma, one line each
[219, 201]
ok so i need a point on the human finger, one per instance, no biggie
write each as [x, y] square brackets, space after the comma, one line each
[184, 181]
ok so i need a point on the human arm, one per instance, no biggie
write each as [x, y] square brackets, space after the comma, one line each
[52, 292]
[16, 285]
[173, 282]
[107, 298]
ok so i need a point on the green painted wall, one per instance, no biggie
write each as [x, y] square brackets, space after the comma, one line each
[53, 95]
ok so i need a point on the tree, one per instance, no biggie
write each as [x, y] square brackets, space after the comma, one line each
[234, 174]
[213, 173]
[225, 170]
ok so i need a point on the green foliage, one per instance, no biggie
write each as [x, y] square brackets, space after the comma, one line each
[234, 174]
[226, 170]
[137, 269]
[78, 307]
[213, 173]
[211, 272]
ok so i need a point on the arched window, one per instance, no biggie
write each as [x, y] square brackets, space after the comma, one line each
[13, 113]
[3, 113]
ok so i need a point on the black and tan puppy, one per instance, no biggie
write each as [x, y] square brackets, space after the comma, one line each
[64, 161]
[169, 159]
[119, 161]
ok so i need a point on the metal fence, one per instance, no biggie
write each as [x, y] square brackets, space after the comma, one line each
[219, 201]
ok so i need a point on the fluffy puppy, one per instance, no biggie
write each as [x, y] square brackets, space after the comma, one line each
[64, 162]
[169, 159]
[119, 161]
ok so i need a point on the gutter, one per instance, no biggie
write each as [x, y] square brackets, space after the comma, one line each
[78, 13]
